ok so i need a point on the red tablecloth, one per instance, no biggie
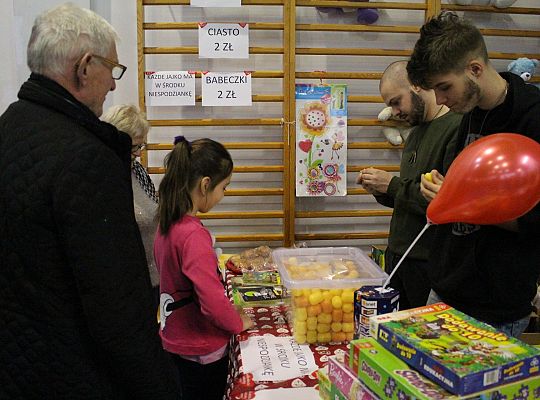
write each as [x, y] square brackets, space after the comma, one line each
[269, 320]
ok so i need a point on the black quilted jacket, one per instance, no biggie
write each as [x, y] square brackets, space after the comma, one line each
[76, 316]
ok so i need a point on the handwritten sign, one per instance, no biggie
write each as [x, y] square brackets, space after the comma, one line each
[276, 358]
[226, 89]
[223, 40]
[216, 3]
[170, 88]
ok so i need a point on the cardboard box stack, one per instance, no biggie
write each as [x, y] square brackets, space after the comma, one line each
[435, 352]
[454, 350]
[391, 378]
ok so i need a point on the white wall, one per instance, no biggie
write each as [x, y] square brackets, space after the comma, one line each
[16, 20]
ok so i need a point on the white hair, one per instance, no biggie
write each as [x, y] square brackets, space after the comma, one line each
[128, 119]
[63, 34]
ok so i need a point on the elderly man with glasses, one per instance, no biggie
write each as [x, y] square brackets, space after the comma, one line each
[76, 311]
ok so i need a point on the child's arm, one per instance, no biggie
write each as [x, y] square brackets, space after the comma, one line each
[199, 264]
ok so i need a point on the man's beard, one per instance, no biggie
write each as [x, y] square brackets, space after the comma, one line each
[418, 107]
[471, 96]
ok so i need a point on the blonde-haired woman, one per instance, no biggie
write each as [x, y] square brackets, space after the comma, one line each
[129, 119]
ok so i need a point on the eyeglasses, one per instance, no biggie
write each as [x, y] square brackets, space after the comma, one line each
[117, 69]
[136, 147]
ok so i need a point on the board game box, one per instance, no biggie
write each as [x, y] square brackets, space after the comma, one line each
[455, 350]
[392, 379]
[346, 381]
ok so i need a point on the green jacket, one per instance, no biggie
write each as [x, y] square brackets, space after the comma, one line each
[430, 145]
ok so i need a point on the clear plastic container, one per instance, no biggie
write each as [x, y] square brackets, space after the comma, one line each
[321, 282]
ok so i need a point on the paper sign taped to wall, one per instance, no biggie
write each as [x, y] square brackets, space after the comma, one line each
[223, 40]
[226, 88]
[170, 88]
[276, 358]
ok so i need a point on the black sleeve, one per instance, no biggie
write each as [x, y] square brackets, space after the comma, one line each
[93, 207]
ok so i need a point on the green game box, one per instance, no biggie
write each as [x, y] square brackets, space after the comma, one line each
[390, 378]
[455, 350]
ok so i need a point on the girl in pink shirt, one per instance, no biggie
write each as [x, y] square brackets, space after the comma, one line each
[197, 319]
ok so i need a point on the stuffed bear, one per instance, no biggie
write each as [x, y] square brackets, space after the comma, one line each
[524, 67]
[366, 16]
[496, 3]
[394, 134]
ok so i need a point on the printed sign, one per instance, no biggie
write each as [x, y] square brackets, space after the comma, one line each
[321, 140]
[223, 40]
[216, 3]
[276, 358]
[170, 88]
[226, 89]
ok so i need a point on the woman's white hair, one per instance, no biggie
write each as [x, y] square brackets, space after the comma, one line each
[63, 34]
[127, 118]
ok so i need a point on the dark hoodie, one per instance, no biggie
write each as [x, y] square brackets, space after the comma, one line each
[485, 271]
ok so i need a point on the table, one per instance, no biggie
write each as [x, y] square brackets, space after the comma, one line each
[272, 320]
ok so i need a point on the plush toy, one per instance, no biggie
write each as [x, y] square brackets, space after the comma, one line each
[523, 67]
[366, 16]
[496, 3]
[394, 134]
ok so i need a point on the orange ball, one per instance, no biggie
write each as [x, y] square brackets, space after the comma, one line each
[301, 301]
[327, 306]
[347, 317]
[338, 336]
[337, 315]
[314, 310]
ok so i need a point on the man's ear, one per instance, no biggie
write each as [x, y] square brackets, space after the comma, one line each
[204, 185]
[416, 89]
[476, 68]
[81, 69]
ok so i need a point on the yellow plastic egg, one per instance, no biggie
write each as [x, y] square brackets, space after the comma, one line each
[323, 328]
[300, 314]
[347, 307]
[300, 339]
[324, 318]
[347, 296]
[324, 337]
[311, 323]
[311, 337]
[336, 327]
[315, 298]
[300, 327]
[337, 302]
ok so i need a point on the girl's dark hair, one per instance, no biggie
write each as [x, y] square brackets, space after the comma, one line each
[186, 164]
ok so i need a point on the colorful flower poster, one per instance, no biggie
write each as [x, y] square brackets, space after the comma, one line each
[321, 140]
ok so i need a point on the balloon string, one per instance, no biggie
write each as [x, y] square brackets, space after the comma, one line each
[405, 255]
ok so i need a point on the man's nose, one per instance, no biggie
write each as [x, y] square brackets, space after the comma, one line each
[440, 98]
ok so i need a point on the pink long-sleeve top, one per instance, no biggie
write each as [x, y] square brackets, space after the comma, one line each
[188, 266]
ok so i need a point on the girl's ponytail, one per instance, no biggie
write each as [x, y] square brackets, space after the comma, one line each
[174, 192]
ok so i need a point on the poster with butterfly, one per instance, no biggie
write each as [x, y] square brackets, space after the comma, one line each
[321, 140]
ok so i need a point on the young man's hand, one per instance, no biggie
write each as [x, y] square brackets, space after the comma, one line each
[430, 188]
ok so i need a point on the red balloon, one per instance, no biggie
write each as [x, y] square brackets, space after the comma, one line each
[493, 180]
